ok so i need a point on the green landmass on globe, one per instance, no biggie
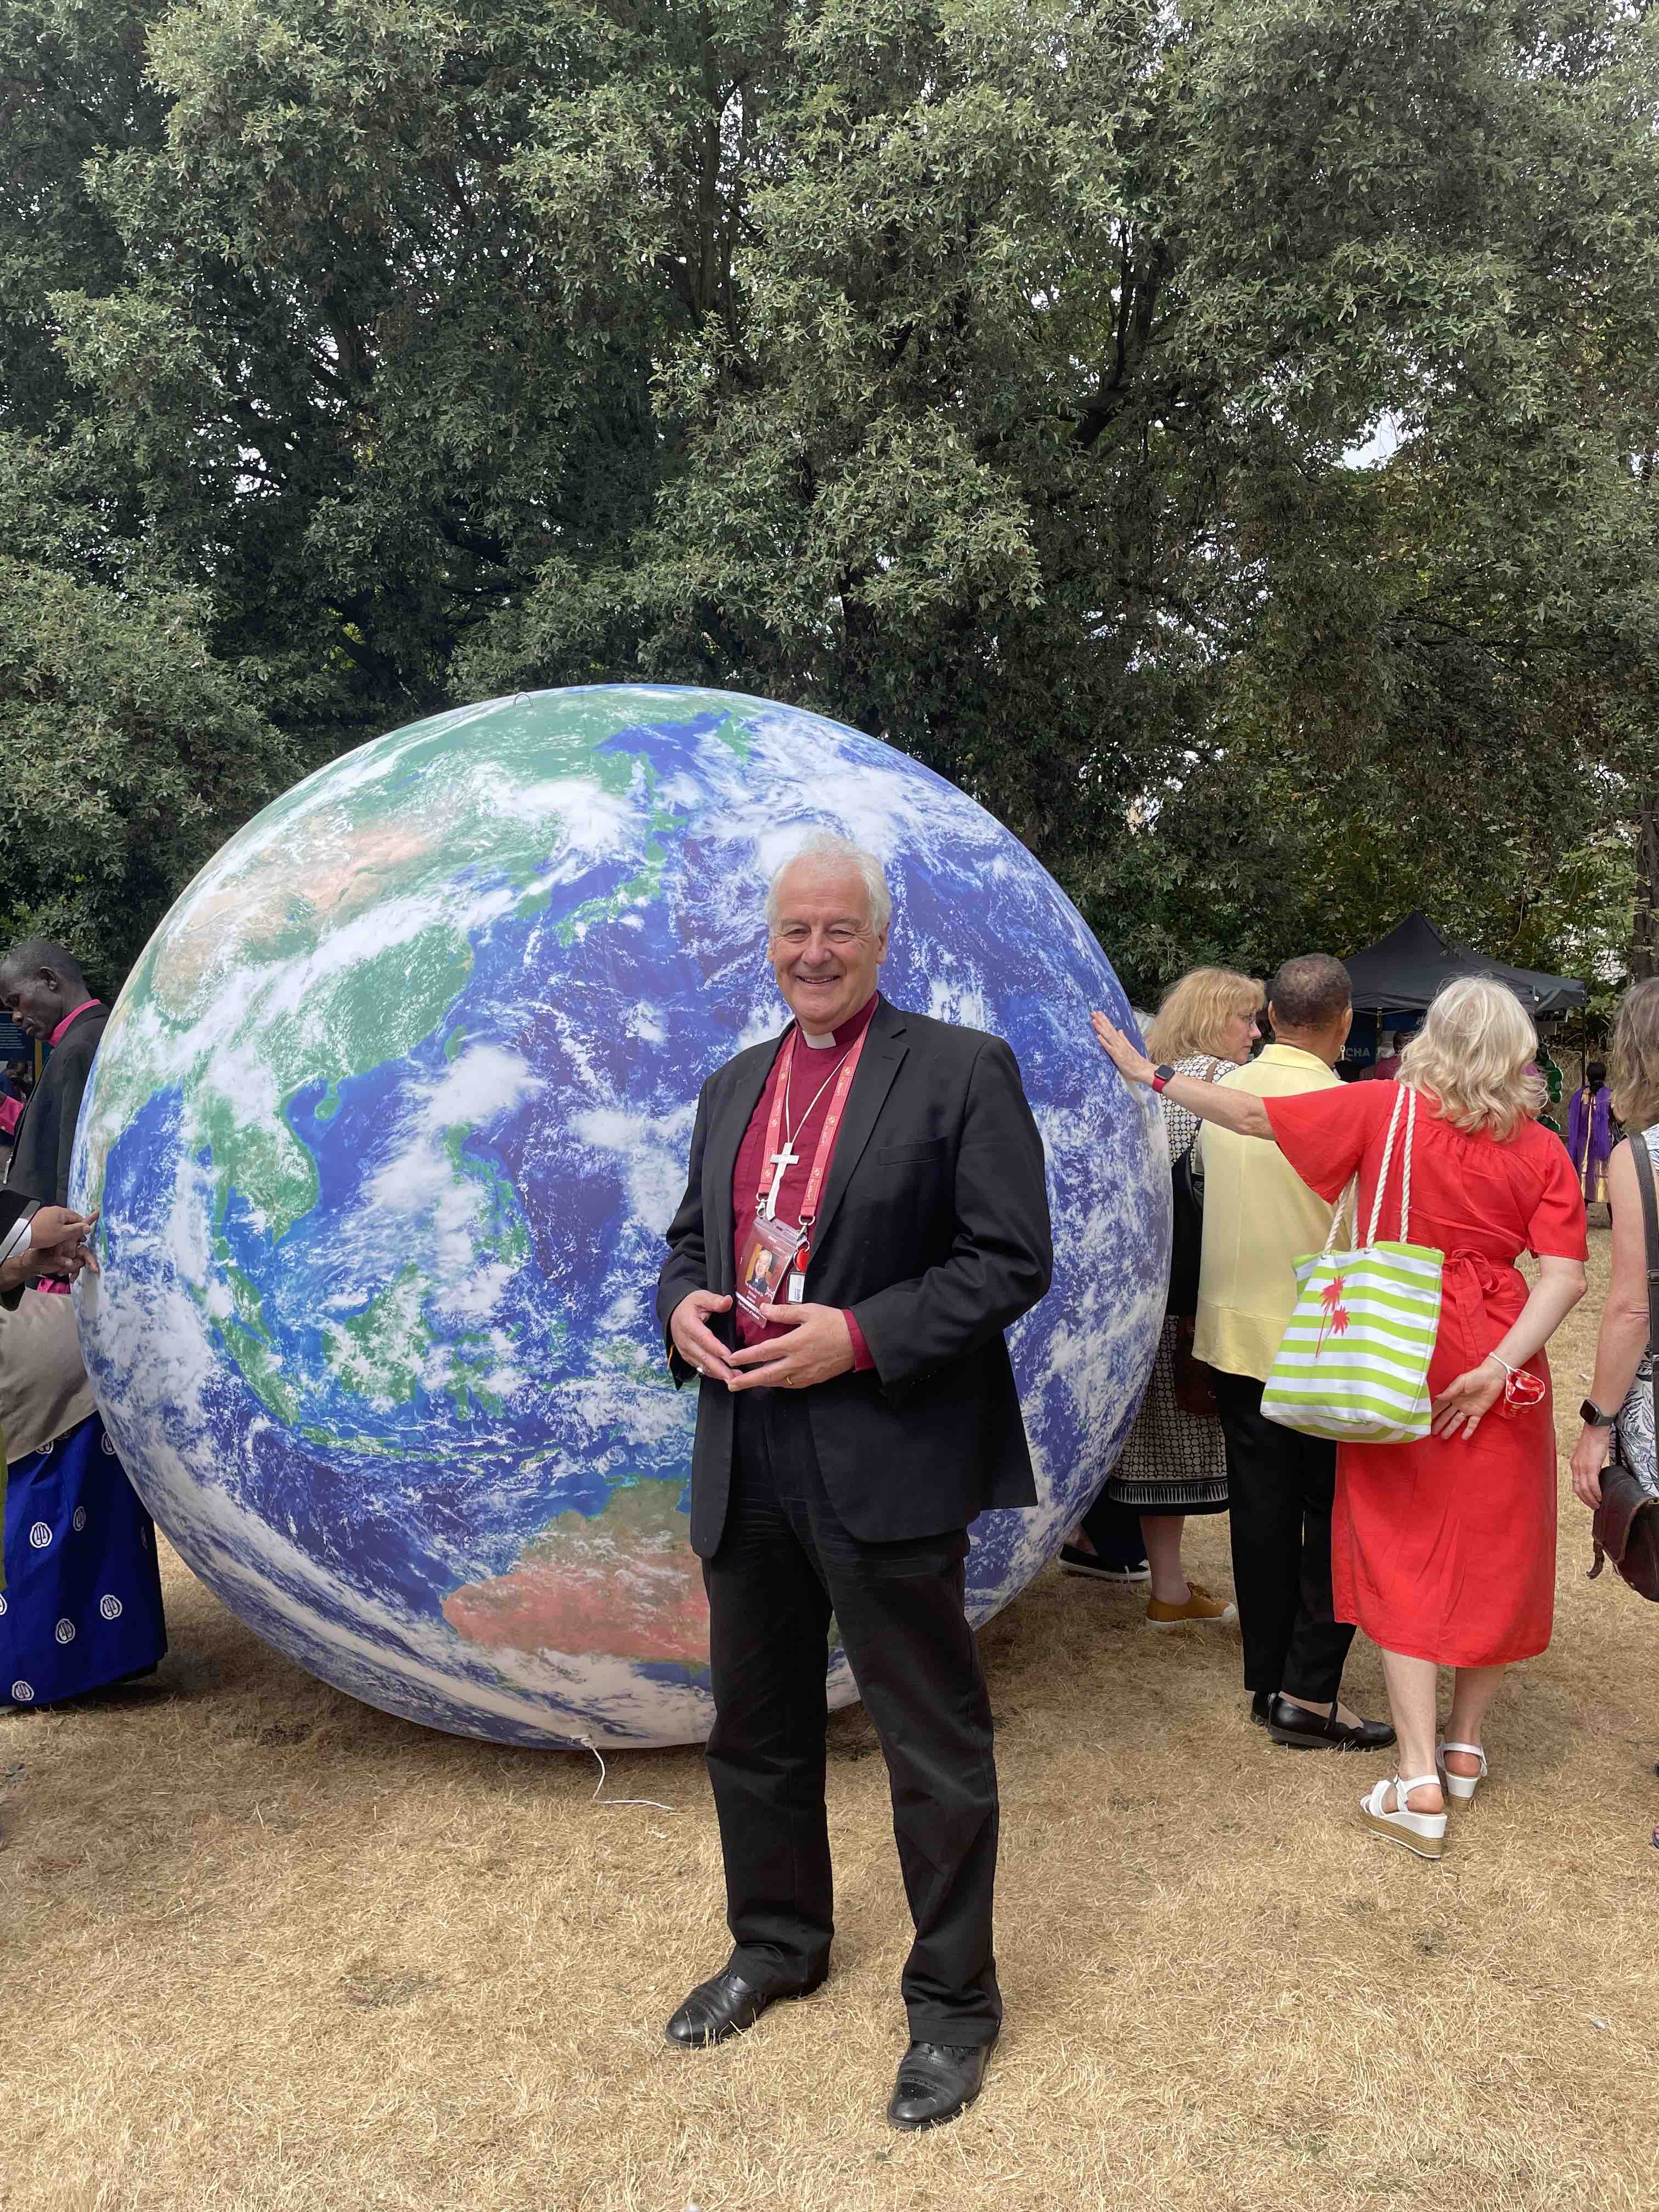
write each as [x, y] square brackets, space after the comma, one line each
[387, 1126]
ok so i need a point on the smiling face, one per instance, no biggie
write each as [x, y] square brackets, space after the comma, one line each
[822, 949]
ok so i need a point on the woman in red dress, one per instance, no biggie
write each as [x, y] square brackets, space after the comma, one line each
[1443, 1550]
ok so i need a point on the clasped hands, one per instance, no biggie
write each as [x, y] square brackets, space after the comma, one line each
[817, 1347]
[60, 1245]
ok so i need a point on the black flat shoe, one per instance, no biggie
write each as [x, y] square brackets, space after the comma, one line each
[1295, 1727]
[724, 2006]
[1074, 1562]
[936, 2082]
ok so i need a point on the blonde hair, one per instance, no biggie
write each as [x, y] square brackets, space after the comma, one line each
[1191, 1013]
[1633, 1076]
[1474, 1057]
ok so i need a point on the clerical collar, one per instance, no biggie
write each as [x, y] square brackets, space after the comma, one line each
[845, 1032]
[73, 1015]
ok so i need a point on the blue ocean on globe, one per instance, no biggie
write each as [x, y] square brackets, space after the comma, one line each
[386, 1128]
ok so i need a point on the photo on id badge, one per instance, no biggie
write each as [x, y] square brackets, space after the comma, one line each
[766, 1260]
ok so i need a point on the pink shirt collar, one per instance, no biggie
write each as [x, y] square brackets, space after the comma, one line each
[73, 1015]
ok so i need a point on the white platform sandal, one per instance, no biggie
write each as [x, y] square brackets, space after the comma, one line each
[1422, 1832]
[1461, 1786]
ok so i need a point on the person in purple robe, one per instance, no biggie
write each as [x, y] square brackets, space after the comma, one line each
[1589, 1133]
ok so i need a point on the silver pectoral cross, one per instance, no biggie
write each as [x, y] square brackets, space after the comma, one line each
[786, 1158]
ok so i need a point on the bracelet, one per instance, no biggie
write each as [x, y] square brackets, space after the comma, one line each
[1504, 1364]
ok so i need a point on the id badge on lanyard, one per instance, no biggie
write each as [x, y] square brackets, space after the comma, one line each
[766, 1262]
[772, 1270]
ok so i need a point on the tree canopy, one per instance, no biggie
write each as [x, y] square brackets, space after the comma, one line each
[994, 374]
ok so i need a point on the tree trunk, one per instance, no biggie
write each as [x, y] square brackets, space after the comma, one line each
[1645, 937]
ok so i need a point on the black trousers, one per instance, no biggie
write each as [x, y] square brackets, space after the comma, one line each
[1114, 1532]
[786, 1562]
[1280, 1488]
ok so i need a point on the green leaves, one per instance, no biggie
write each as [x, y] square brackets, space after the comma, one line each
[983, 372]
[131, 754]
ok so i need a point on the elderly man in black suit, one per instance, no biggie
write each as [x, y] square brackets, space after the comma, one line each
[865, 1214]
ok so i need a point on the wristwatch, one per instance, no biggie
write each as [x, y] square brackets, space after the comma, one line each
[1593, 1418]
[1161, 1076]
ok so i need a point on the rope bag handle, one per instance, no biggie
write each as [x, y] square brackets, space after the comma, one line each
[1405, 1103]
[1408, 1099]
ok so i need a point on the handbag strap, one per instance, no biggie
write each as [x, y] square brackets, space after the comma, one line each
[1642, 1160]
[1405, 1103]
[1186, 1157]
[1349, 1204]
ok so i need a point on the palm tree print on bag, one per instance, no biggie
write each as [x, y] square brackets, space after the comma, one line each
[1335, 1322]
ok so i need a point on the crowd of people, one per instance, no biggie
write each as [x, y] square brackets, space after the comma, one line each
[847, 1432]
[865, 1216]
[1443, 1548]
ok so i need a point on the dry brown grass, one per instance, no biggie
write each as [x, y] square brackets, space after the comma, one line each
[268, 1951]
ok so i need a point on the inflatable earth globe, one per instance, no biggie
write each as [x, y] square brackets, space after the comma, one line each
[386, 1128]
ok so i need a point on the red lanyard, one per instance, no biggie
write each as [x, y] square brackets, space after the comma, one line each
[826, 1136]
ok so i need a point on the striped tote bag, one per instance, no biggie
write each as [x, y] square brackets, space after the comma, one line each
[1353, 1363]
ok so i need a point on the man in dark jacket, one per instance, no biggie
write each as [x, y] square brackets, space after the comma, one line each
[42, 987]
[865, 1214]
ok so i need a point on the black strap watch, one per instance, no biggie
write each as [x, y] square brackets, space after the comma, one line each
[1592, 1416]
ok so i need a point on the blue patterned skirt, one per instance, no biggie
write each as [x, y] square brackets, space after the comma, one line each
[82, 1600]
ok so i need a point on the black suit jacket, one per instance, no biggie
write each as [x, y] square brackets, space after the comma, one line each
[39, 1165]
[933, 1229]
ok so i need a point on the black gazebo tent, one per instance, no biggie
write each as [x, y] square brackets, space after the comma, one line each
[1402, 972]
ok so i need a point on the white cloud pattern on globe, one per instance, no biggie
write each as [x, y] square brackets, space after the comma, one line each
[386, 1128]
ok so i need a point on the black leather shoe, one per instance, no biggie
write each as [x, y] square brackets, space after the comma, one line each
[1260, 1701]
[724, 2006]
[1301, 1730]
[936, 2082]
[1074, 1562]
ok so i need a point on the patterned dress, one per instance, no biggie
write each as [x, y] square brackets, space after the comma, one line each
[82, 1606]
[1173, 1462]
[1636, 1446]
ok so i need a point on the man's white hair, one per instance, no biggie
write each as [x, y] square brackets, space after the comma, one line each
[824, 849]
